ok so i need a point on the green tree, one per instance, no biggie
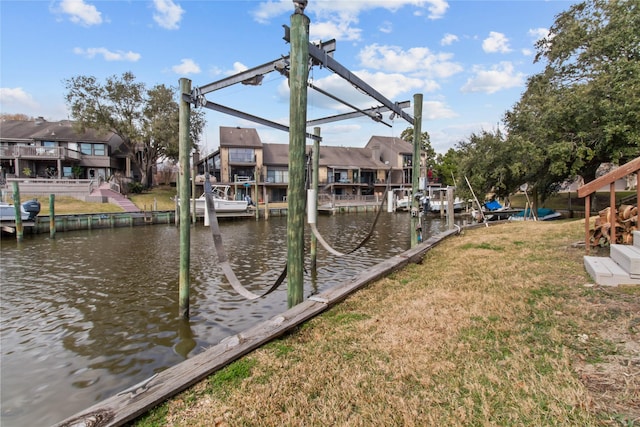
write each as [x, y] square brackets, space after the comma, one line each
[584, 109]
[145, 120]
[425, 145]
[485, 160]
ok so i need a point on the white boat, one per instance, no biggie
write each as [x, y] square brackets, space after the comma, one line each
[28, 211]
[221, 201]
[433, 205]
[402, 199]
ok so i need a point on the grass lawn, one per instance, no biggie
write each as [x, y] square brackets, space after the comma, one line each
[498, 326]
[160, 197]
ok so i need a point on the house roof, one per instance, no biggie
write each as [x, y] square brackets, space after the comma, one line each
[396, 144]
[62, 131]
[336, 157]
[239, 137]
[349, 157]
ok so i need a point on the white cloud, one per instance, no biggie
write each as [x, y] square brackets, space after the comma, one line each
[538, 33]
[17, 99]
[496, 42]
[107, 55]
[335, 29]
[342, 10]
[448, 39]
[168, 14]
[499, 77]
[435, 110]
[386, 27]
[80, 12]
[418, 60]
[186, 66]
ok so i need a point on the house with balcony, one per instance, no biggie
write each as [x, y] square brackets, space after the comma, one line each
[242, 159]
[43, 149]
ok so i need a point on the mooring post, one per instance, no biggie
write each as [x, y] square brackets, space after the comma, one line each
[256, 202]
[194, 217]
[52, 216]
[415, 169]
[298, 76]
[17, 206]
[183, 192]
[314, 186]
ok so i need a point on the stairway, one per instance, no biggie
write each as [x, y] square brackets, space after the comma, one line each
[622, 267]
[115, 198]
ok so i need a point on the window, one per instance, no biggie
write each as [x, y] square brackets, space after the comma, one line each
[241, 155]
[278, 175]
[49, 144]
[85, 148]
[99, 150]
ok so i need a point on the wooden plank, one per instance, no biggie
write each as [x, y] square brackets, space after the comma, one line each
[140, 398]
[137, 400]
[614, 175]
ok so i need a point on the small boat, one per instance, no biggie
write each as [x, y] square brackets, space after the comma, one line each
[433, 205]
[402, 199]
[492, 211]
[29, 210]
[221, 201]
[542, 214]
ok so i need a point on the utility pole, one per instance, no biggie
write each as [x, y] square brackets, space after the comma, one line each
[298, 76]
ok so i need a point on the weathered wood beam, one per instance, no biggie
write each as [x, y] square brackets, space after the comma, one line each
[614, 175]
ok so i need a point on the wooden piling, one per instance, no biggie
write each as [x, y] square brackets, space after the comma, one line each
[314, 186]
[52, 216]
[183, 192]
[17, 206]
[298, 76]
[415, 168]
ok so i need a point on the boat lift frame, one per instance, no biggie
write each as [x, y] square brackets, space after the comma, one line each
[320, 55]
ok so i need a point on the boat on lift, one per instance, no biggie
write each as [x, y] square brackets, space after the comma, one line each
[29, 210]
[222, 202]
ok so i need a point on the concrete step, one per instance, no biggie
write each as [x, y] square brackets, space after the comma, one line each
[627, 257]
[605, 271]
[636, 239]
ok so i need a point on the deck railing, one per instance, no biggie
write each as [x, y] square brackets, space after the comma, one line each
[608, 179]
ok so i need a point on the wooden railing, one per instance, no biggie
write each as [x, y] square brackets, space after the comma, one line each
[591, 187]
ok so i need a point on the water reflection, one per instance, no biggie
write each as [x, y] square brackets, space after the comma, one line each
[90, 313]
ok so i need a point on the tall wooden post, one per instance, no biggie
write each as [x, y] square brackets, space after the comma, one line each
[184, 195]
[298, 76]
[194, 218]
[314, 186]
[52, 216]
[256, 177]
[17, 205]
[415, 170]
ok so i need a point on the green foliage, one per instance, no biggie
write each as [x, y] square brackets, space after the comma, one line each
[583, 110]
[136, 187]
[77, 171]
[145, 119]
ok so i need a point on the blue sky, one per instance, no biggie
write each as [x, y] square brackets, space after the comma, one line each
[469, 59]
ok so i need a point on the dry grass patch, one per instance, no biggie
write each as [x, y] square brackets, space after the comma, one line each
[487, 330]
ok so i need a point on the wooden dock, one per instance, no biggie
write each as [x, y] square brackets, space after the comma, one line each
[140, 398]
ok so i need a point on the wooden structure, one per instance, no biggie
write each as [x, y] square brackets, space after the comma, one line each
[608, 179]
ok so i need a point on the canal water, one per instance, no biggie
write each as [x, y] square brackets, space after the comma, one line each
[90, 313]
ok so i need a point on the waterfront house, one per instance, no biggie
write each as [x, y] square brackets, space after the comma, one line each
[242, 159]
[56, 150]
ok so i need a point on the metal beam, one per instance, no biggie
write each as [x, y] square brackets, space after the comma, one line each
[248, 76]
[232, 112]
[345, 116]
[321, 57]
